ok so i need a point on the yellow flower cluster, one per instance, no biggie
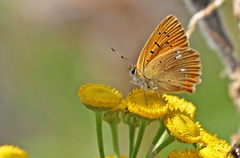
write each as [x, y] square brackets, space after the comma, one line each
[177, 115]
[212, 147]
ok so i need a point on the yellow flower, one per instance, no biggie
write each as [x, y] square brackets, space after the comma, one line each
[99, 96]
[182, 126]
[154, 108]
[214, 146]
[186, 154]
[9, 151]
[208, 138]
[215, 150]
[176, 102]
[123, 106]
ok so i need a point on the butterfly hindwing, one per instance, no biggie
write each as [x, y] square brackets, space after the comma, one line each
[169, 34]
[177, 70]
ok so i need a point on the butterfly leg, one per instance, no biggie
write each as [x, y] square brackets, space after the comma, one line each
[131, 86]
[144, 94]
[159, 95]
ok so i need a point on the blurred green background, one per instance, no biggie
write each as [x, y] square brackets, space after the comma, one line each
[49, 48]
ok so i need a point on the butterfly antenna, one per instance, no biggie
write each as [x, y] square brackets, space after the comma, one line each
[122, 56]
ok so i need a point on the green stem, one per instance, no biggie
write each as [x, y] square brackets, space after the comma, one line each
[166, 142]
[160, 131]
[114, 128]
[142, 127]
[131, 138]
[99, 116]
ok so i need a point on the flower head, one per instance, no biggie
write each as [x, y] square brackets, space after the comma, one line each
[99, 96]
[10, 151]
[186, 154]
[215, 150]
[208, 138]
[176, 102]
[154, 109]
[182, 126]
[214, 146]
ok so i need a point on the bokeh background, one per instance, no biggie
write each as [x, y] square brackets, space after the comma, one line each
[48, 48]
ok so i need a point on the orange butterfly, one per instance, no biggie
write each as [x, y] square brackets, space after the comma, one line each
[166, 63]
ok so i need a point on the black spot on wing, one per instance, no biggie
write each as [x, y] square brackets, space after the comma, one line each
[157, 44]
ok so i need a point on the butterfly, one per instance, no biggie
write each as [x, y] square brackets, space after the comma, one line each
[166, 63]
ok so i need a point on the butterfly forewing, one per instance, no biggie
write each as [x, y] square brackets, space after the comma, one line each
[177, 70]
[169, 34]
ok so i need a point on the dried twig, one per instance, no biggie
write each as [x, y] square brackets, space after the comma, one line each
[236, 11]
[214, 32]
[202, 14]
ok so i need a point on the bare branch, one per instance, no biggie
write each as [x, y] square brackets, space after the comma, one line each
[202, 14]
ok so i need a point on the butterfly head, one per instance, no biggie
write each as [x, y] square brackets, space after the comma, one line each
[132, 70]
[139, 78]
[133, 73]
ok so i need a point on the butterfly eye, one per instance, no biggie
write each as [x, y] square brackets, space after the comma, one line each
[133, 70]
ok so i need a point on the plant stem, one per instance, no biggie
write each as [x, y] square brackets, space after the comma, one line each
[132, 130]
[160, 131]
[99, 116]
[114, 128]
[142, 127]
[166, 142]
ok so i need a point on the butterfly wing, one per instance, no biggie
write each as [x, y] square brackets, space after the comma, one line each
[169, 34]
[177, 70]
